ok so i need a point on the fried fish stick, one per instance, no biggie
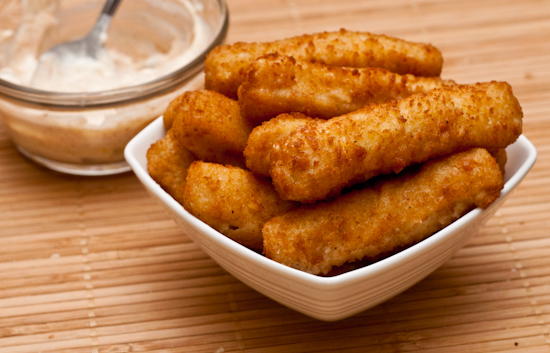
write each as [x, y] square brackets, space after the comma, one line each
[319, 160]
[225, 66]
[278, 84]
[263, 137]
[210, 125]
[233, 201]
[392, 213]
[167, 163]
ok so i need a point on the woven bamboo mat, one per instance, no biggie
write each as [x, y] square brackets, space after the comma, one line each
[94, 265]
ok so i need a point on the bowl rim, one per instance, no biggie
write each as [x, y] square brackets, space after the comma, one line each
[122, 95]
[135, 157]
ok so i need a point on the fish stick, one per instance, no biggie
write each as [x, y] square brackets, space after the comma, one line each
[392, 213]
[233, 201]
[210, 125]
[262, 138]
[260, 142]
[226, 65]
[319, 160]
[167, 164]
[277, 84]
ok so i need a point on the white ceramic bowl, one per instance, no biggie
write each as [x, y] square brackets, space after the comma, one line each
[341, 296]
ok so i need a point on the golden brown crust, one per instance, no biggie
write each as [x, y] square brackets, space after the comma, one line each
[320, 159]
[263, 137]
[233, 201]
[167, 163]
[395, 212]
[211, 126]
[277, 84]
[225, 66]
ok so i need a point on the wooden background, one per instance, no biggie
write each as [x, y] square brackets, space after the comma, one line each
[94, 265]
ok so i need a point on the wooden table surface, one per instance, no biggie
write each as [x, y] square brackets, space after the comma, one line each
[94, 265]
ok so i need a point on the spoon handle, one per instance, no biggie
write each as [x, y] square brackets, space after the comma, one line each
[110, 7]
[97, 35]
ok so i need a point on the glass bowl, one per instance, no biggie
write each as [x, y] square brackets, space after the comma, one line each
[84, 131]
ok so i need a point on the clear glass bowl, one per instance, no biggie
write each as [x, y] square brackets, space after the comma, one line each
[85, 133]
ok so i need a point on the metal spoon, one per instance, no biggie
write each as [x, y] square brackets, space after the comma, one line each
[90, 46]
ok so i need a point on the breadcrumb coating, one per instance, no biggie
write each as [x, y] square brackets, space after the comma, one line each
[167, 163]
[226, 65]
[277, 84]
[320, 159]
[211, 126]
[263, 137]
[394, 212]
[233, 201]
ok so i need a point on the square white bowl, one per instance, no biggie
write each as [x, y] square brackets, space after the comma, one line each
[341, 296]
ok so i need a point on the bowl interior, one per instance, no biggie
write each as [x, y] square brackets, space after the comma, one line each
[343, 295]
[521, 157]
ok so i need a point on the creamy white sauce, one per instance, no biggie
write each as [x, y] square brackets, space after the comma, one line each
[96, 136]
[19, 55]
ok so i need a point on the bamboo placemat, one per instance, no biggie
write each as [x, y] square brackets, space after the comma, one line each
[94, 265]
